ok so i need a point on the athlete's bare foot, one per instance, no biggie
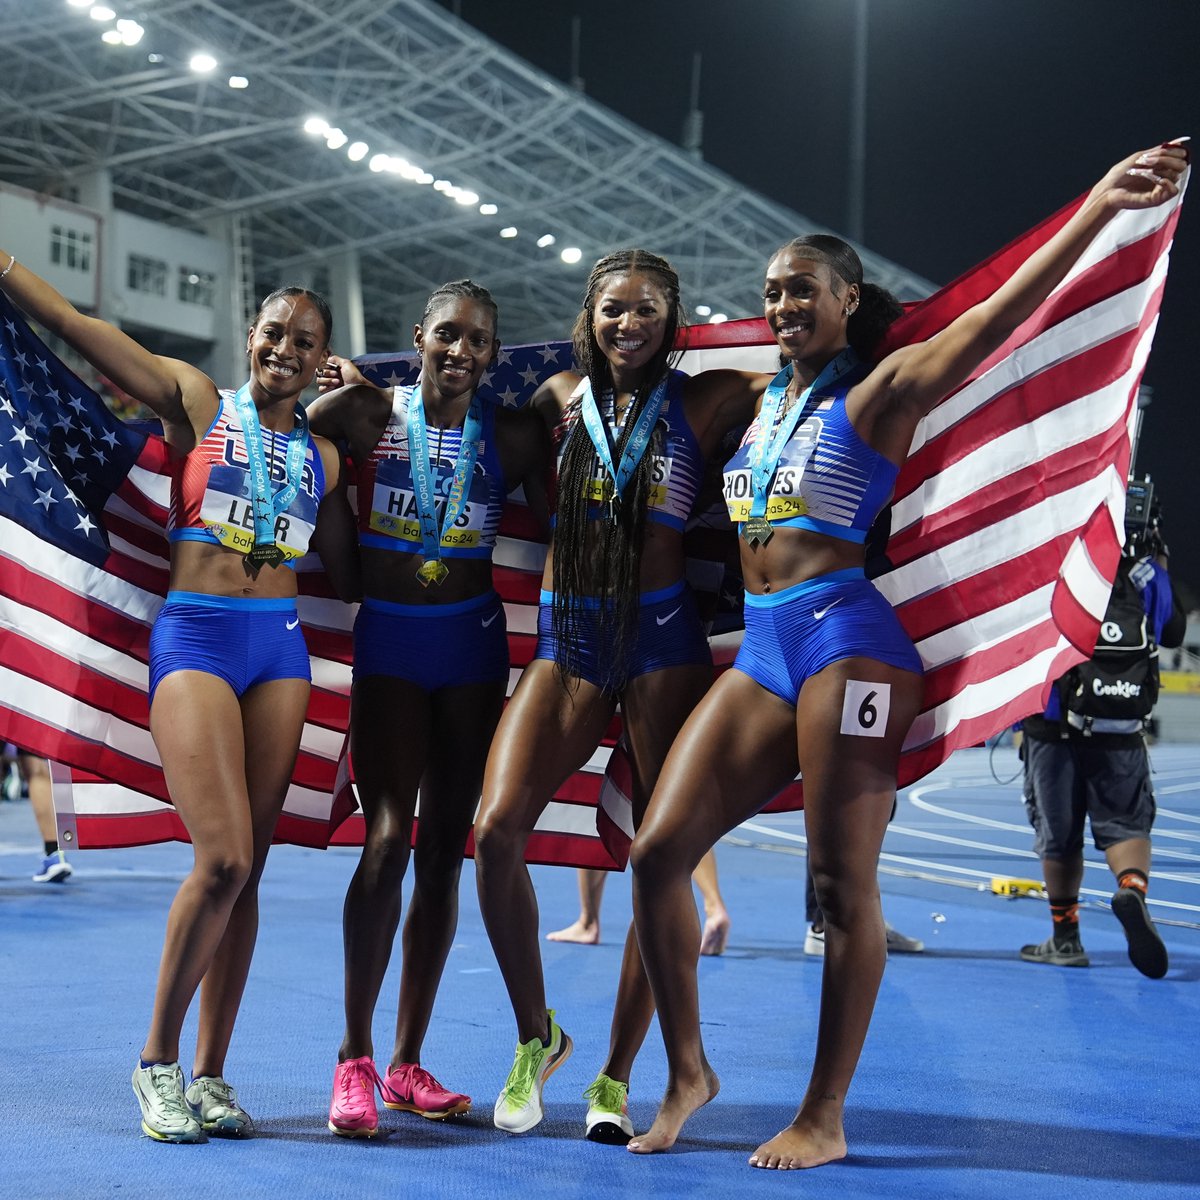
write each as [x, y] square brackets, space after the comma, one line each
[800, 1146]
[582, 933]
[677, 1105]
[716, 933]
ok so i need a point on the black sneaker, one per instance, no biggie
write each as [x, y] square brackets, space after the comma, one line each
[1067, 953]
[1146, 949]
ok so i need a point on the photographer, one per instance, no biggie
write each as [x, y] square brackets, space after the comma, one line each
[1086, 755]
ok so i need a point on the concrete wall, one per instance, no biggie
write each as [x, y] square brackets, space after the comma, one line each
[27, 225]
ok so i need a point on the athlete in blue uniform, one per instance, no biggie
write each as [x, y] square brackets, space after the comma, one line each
[228, 668]
[617, 625]
[434, 464]
[826, 680]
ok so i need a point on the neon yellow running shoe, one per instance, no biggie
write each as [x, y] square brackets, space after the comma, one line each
[608, 1111]
[519, 1107]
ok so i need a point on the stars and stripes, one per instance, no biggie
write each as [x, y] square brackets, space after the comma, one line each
[1007, 526]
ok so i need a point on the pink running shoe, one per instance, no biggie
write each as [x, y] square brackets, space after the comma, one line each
[352, 1111]
[411, 1088]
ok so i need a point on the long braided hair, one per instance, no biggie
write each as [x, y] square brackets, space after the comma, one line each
[877, 307]
[602, 559]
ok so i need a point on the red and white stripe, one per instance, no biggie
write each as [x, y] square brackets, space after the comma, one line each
[1006, 531]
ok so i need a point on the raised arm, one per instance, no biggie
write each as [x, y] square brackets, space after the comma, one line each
[182, 396]
[909, 382]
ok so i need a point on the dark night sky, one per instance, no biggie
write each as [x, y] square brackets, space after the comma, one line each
[983, 117]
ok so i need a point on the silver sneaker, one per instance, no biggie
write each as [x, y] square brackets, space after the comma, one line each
[166, 1116]
[215, 1104]
[900, 943]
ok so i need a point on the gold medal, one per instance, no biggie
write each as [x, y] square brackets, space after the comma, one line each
[757, 531]
[265, 554]
[433, 570]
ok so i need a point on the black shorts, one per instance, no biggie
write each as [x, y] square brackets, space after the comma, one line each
[1068, 780]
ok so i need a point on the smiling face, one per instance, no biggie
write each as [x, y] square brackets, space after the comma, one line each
[457, 344]
[629, 319]
[806, 305]
[288, 342]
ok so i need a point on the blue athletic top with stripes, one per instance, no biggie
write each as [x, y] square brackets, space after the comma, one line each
[828, 479]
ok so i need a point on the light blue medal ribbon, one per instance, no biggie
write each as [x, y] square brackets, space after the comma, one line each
[635, 446]
[265, 505]
[772, 439]
[433, 570]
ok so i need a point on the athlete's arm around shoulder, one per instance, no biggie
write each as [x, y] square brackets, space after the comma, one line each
[887, 405]
[552, 396]
[180, 395]
[720, 400]
[526, 455]
[356, 413]
[335, 537]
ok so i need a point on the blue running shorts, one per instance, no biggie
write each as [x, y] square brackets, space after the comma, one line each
[793, 634]
[433, 645]
[669, 634]
[240, 639]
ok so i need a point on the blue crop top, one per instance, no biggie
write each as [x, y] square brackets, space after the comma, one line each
[677, 466]
[828, 479]
[387, 505]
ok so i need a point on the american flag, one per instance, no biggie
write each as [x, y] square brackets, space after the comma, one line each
[1007, 526]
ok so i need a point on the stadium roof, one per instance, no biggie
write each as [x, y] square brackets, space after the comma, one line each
[409, 81]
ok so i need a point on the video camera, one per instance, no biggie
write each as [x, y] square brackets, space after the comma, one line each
[1143, 515]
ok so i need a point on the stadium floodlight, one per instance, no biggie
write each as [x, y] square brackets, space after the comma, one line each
[702, 310]
[547, 239]
[357, 151]
[101, 12]
[202, 63]
[509, 231]
[488, 210]
[571, 254]
[238, 82]
[718, 319]
[317, 126]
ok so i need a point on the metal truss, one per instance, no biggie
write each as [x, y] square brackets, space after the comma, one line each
[409, 79]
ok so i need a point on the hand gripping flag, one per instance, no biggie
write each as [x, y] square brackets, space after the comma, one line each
[1007, 526]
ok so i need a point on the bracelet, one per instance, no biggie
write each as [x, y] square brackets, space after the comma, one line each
[12, 262]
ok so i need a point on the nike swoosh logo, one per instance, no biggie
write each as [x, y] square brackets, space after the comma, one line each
[664, 620]
[818, 613]
[293, 624]
[488, 620]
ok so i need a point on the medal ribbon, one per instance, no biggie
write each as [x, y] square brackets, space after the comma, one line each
[425, 476]
[772, 440]
[267, 507]
[638, 440]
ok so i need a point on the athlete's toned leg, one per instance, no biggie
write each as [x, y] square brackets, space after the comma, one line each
[545, 734]
[390, 721]
[272, 721]
[654, 708]
[735, 752]
[196, 722]
[716, 915]
[464, 720]
[849, 789]
[585, 931]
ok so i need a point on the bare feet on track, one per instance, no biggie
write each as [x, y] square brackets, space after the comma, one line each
[580, 933]
[797, 1147]
[716, 934]
[677, 1105]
